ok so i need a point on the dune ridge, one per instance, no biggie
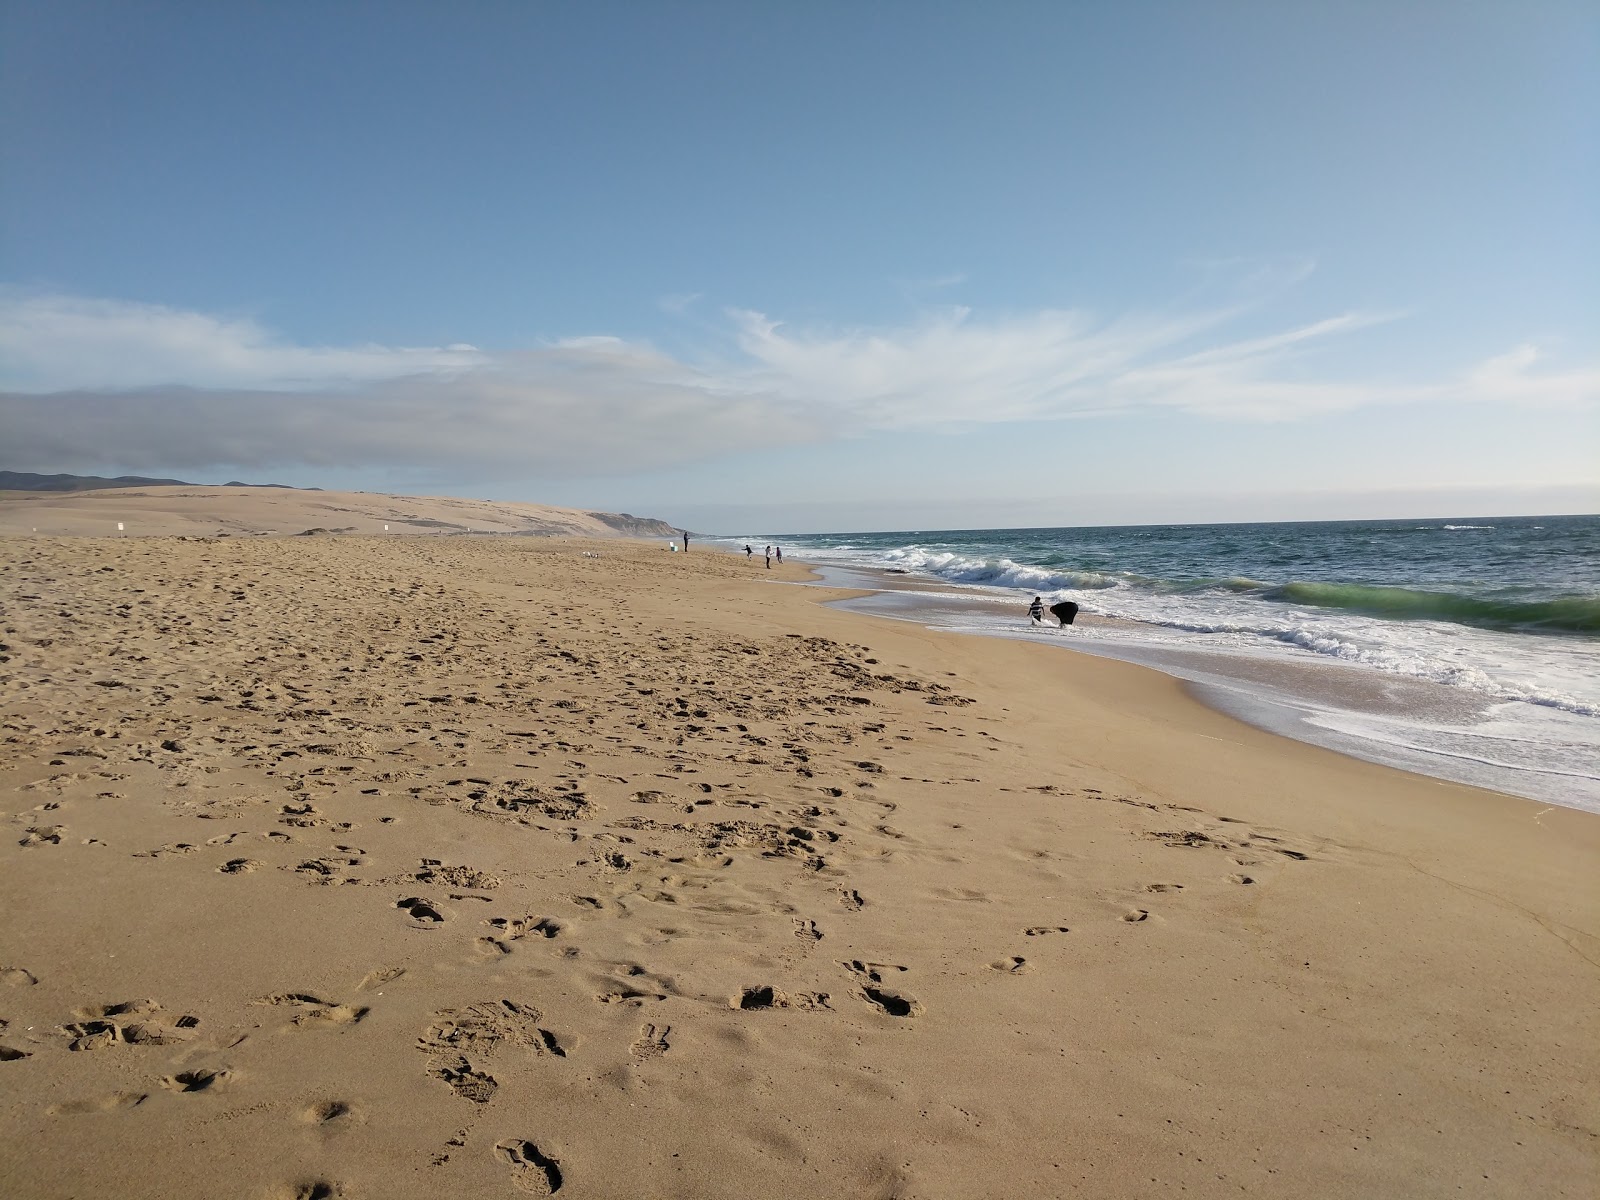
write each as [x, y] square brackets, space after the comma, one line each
[256, 510]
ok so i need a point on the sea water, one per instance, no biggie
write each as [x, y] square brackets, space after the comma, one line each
[1468, 649]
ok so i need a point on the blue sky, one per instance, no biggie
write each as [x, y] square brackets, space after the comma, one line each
[783, 267]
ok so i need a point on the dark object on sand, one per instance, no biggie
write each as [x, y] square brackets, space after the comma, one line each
[1065, 611]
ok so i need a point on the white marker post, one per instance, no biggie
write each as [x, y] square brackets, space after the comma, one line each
[119, 526]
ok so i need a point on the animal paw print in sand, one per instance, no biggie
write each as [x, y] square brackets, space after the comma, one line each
[532, 1170]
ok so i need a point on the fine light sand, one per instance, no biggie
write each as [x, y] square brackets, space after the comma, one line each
[474, 868]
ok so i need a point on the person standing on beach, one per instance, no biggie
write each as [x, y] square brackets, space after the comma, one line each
[769, 558]
[779, 551]
[686, 541]
[1036, 610]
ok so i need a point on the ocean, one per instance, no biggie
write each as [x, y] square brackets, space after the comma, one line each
[1466, 649]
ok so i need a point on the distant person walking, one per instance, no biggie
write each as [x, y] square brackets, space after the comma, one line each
[747, 551]
[779, 551]
[1065, 612]
[686, 541]
[1036, 610]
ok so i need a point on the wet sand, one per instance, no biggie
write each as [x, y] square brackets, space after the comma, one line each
[469, 867]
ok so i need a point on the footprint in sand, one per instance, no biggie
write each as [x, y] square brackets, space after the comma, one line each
[17, 977]
[196, 1081]
[99, 1104]
[308, 1189]
[872, 970]
[892, 1003]
[1244, 879]
[652, 1042]
[327, 1114]
[1015, 965]
[95, 1028]
[1135, 915]
[312, 1012]
[766, 996]
[807, 931]
[378, 978]
[531, 1169]
[423, 912]
[240, 866]
[1041, 930]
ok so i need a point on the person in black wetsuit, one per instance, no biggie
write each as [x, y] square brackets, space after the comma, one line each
[1064, 612]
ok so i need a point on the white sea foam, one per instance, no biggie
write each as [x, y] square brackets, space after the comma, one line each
[1552, 671]
[1457, 627]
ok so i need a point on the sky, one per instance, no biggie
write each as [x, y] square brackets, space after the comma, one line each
[765, 268]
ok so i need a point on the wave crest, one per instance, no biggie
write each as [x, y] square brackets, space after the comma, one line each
[1566, 614]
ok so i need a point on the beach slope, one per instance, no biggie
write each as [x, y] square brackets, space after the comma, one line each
[353, 867]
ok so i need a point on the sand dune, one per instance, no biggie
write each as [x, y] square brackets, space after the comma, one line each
[158, 511]
[492, 867]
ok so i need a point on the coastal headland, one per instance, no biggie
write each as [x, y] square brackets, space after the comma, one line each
[352, 866]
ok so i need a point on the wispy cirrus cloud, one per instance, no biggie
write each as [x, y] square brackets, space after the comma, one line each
[94, 382]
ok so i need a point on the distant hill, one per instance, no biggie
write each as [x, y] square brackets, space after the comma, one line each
[27, 481]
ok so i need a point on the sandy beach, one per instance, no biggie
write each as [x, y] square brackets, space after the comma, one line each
[470, 867]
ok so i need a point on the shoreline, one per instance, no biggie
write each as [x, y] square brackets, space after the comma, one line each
[364, 868]
[1349, 708]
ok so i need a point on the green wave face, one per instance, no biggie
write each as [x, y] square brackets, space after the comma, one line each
[1569, 614]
